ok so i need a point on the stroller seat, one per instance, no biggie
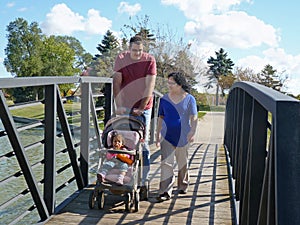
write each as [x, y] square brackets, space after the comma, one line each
[133, 132]
[131, 138]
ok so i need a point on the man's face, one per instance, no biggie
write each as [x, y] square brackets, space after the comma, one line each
[136, 51]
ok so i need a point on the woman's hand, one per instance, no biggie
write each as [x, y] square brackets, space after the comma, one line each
[191, 136]
[158, 142]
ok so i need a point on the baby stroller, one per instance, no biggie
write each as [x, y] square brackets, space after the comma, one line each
[133, 131]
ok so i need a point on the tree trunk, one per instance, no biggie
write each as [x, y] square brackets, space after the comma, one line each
[217, 95]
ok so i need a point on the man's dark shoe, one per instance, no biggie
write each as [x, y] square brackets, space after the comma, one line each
[182, 192]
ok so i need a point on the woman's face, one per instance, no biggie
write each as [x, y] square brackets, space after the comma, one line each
[172, 84]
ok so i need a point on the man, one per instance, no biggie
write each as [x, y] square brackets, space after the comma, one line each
[133, 85]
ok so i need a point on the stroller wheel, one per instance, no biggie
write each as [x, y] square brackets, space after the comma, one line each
[127, 202]
[101, 200]
[92, 199]
[136, 201]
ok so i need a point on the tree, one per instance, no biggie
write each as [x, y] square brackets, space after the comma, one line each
[225, 82]
[108, 44]
[141, 28]
[221, 65]
[30, 53]
[102, 64]
[270, 78]
[82, 58]
[58, 60]
[246, 74]
[183, 63]
[23, 57]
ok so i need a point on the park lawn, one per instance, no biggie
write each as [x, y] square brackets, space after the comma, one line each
[37, 111]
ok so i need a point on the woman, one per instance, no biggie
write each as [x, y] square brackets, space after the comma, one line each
[176, 127]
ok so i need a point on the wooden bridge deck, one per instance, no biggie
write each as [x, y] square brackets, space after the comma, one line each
[208, 200]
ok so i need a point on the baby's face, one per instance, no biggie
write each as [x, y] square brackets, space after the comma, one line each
[117, 143]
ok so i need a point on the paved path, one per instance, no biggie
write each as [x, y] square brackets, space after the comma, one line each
[207, 201]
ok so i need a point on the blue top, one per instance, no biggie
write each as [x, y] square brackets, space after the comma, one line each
[176, 121]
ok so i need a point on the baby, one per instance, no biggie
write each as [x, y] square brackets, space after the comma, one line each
[116, 161]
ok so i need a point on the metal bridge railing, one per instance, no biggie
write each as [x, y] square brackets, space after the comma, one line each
[262, 137]
[45, 161]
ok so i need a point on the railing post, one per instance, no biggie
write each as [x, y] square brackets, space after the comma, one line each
[85, 130]
[287, 162]
[108, 101]
[49, 147]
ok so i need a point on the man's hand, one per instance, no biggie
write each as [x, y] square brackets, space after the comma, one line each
[137, 112]
[120, 110]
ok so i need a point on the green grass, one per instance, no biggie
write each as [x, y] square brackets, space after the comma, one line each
[32, 112]
[37, 111]
[213, 108]
[201, 115]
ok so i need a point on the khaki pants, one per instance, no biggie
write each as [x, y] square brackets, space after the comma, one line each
[167, 178]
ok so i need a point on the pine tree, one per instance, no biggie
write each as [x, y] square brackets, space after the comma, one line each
[269, 77]
[108, 44]
[102, 64]
[221, 65]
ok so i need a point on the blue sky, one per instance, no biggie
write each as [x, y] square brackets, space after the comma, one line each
[254, 33]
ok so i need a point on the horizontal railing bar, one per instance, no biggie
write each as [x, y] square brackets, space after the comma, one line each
[62, 169]
[36, 81]
[266, 96]
[14, 199]
[65, 184]
[30, 126]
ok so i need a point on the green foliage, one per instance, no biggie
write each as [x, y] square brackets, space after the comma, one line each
[58, 58]
[270, 78]
[108, 44]
[219, 66]
[82, 58]
[141, 27]
[25, 43]
[102, 64]
[30, 53]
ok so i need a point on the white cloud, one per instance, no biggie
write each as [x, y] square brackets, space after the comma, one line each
[131, 10]
[63, 21]
[10, 4]
[218, 23]
[96, 24]
[281, 61]
[292, 85]
[233, 29]
[195, 9]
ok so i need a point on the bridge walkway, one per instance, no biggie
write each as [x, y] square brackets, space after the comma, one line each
[208, 200]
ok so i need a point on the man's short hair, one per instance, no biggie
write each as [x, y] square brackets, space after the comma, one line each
[137, 39]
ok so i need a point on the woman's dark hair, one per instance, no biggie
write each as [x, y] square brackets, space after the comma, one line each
[180, 80]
